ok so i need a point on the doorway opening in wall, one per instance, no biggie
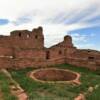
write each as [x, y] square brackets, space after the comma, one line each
[60, 52]
[19, 34]
[36, 37]
[47, 54]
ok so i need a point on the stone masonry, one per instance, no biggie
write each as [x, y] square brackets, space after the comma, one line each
[25, 48]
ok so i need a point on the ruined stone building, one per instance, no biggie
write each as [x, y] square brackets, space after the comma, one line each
[25, 48]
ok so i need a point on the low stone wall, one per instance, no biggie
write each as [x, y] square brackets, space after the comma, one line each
[23, 63]
[82, 63]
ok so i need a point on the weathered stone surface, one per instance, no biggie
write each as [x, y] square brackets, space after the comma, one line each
[25, 48]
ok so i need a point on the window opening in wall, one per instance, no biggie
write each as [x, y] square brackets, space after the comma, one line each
[36, 36]
[89, 51]
[19, 34]
[91, 58]
[60, 52]
[47, 55]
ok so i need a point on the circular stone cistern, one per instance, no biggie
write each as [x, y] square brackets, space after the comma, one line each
[52, 75]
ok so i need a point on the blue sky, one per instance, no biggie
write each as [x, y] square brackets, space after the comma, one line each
[78, 18]
[4, 21]
[91, 37]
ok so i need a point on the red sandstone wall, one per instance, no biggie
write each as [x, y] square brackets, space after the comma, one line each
[5, 51]
[26, 49]
[24, 39]
[26, 62]
[36, 54]
[5, 41]
[62, 49]
[26, 42]
[56, 53]
[82, 58]
[82, 63]
[11, 47]
[5, 63]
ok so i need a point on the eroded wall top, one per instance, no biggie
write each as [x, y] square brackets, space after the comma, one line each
[24, 39]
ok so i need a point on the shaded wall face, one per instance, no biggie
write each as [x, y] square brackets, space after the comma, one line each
[55, 53]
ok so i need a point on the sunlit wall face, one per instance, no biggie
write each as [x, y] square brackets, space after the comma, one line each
[79, 18]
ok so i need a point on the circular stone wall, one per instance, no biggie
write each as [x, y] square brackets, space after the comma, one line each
[53, 74]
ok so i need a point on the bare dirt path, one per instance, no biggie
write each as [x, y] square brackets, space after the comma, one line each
[15, 87]
[1, 95]
[80, 97]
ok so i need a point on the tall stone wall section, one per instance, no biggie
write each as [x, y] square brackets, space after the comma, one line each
[25, 48]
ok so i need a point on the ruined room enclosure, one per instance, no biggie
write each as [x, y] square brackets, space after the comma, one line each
[53, 75]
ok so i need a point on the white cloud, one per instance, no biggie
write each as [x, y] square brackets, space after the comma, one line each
[87, 45]
[82, 41]
[77, 37]
[51, 14]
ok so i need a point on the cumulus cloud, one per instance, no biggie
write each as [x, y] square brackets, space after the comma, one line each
[58, 17]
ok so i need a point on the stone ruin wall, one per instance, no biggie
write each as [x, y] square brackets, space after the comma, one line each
[26, 49]
[85, 58]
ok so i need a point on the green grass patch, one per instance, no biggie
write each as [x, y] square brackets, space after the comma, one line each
[58, 91]
[4, 87]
